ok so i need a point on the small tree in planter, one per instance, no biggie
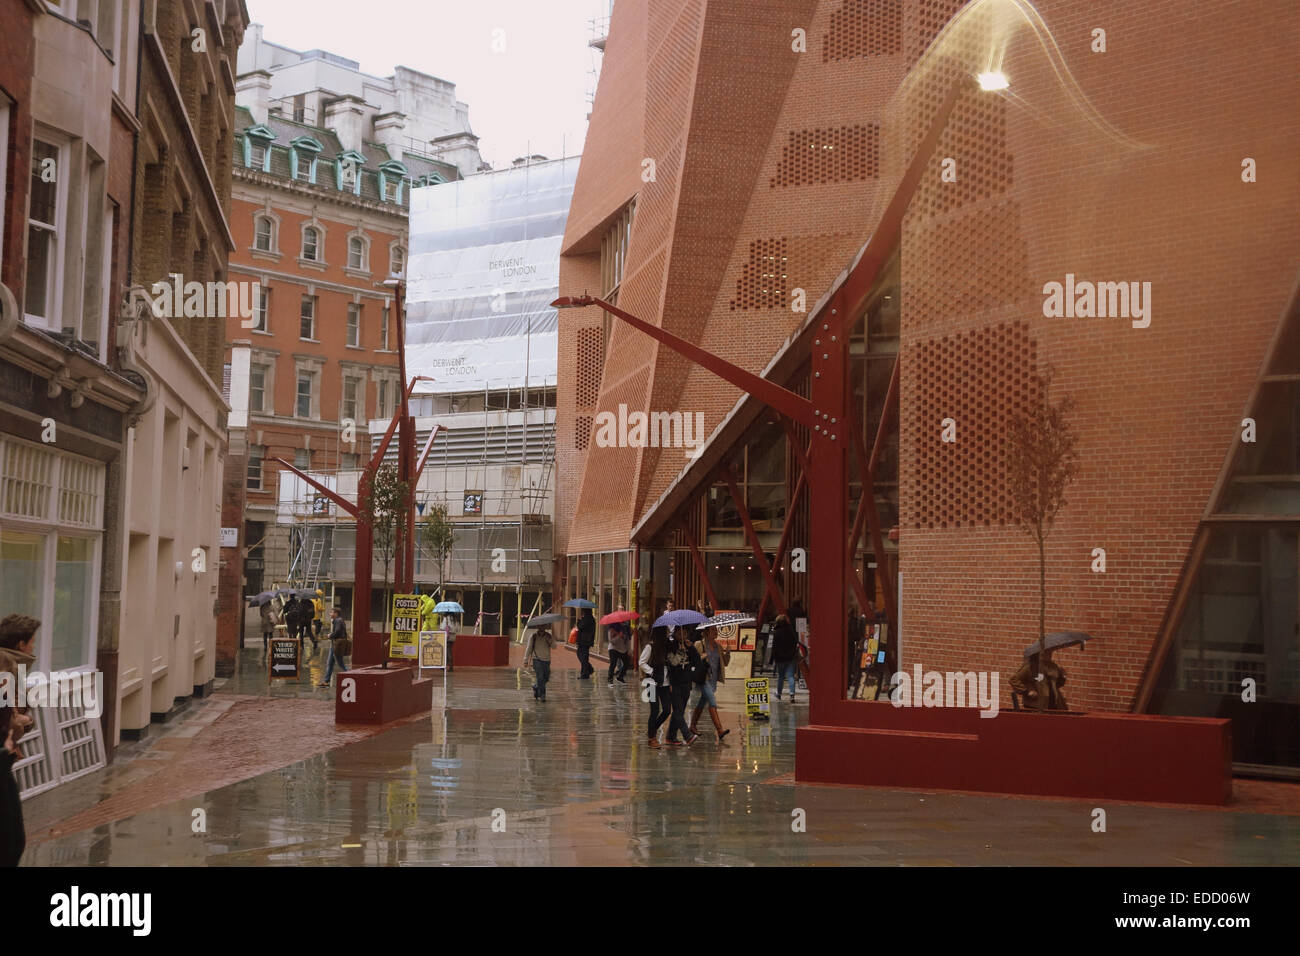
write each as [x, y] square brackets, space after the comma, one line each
[384, 506]
[437, 535]
[1043, 462]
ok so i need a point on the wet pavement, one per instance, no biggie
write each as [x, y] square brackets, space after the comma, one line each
[493, 777]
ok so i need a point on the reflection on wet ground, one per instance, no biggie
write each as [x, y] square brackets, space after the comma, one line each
[494, 777]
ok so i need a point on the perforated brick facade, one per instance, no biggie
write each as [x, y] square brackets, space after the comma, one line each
[1117, 166]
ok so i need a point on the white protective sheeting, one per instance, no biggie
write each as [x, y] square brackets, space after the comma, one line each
[483, 269]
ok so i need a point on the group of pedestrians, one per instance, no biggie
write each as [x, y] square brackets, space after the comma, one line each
[672, 667]
[300, 616]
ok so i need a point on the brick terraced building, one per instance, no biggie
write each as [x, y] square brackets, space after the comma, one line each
[740, 154]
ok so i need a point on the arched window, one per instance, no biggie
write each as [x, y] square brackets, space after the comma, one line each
[311, 244]
[396, 260]
[357, 253]
[264, 234]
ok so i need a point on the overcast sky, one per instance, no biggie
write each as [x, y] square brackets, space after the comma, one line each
[531, 98]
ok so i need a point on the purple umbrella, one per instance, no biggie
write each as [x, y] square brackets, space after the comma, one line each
[680, 618]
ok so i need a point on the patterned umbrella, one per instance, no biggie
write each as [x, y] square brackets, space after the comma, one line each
[448, 607]
[722, 620]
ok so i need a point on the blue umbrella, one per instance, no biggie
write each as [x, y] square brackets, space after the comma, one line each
[680, 618]
[579, 602]
[448, 607]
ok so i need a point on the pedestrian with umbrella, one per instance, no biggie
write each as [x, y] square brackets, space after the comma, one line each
[268, 620]
[449, 610]
[711, 673]
[586, 635]
[620, 643]
[654, 665]
[537, 653]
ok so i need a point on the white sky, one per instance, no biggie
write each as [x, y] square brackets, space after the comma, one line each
[532, 98]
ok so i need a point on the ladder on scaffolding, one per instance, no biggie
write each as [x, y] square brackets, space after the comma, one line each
[307, 562]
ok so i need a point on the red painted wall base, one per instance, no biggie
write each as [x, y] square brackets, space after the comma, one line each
[481, 650]
[373, 695]
[1115, 756]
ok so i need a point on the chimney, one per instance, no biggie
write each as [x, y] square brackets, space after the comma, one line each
[346, 116]
[253, 92]
[390, 131]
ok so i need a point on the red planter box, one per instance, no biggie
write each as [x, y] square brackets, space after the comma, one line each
[481, 650]
[374, 695]
[1089, 755]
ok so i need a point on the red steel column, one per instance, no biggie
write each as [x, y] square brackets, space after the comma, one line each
[773, 589]
[828, 492]
[700, 567]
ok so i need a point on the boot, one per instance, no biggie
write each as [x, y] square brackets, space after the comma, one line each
[717, 723]
[695, 717]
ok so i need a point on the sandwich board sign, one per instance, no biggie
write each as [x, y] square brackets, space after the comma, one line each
[286, 652]
[402, 641]
[757, 705]
[433, 654]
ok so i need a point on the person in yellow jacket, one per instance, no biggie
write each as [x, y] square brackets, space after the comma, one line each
[428, 619]
[319, 605]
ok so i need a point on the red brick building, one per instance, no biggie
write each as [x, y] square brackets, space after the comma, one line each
[754, 146]
[319, 218]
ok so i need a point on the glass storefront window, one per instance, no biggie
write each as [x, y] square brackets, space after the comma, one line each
[22, 571]
[1242, 621]
[74, 593]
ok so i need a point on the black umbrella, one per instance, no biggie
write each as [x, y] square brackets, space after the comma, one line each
[543, 619]
[1059, 639]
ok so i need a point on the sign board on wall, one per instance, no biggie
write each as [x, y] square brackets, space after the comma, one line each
[229, 537]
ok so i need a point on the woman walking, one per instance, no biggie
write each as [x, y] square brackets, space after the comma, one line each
[682, 662]
[654, 665]
[714, 662]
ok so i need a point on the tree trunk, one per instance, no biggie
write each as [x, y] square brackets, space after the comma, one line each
[1042, 602]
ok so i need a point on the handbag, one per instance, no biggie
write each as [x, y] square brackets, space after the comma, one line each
[343, 647]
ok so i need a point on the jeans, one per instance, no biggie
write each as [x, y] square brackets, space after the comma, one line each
[660, 708]
[708, 695]
[584, 656]
[681, 695]
[783, 669]
[543, 671]
[621, 661]
[330, 660]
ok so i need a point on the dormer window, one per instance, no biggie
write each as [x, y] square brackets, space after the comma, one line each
[347, 171]
[302, 159]
[392, 181]
[257, 147]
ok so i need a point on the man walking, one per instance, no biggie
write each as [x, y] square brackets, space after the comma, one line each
[338, 649]
[586, 638]
[538, 656]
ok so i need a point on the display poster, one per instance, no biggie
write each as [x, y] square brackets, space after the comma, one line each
[285, 654]
[728, 634]
[739, 666]
[748, 638]
[433, 649]
[757, 704]
[402, 639]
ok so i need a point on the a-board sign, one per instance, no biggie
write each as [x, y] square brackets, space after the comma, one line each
[285, 654]
[433, 649]
[403, 637]
[757, 705]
